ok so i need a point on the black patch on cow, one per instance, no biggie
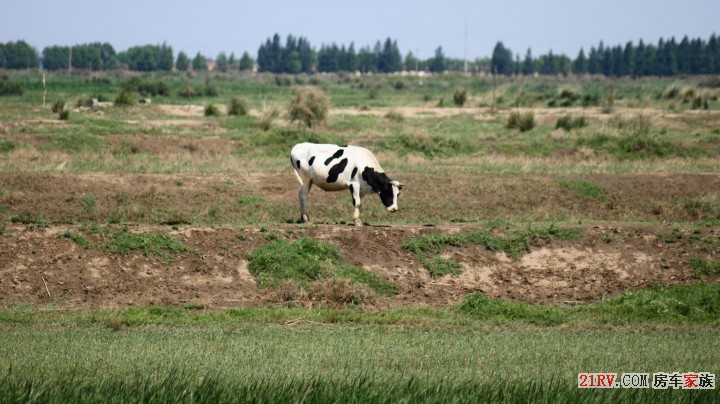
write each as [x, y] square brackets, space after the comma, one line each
[336, 170]
[380, 183]
[298, 164]
[352, 194]
[312, 159]
[337, 155]
[353, 173]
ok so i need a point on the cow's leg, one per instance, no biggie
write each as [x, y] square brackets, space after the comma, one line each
[357, 203]
[303, 195]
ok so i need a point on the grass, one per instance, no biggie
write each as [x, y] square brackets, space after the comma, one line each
[585, 189]
[307, 263]
[514, 242]
[77, 238]
[705, 267]
[158, 244]
[341, 363]
[481, 348]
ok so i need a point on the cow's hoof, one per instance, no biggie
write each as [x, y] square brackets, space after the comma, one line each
[358, 224]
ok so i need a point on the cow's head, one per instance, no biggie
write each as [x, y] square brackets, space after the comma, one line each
[387, 189]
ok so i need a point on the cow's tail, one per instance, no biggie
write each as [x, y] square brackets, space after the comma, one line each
[297, 175]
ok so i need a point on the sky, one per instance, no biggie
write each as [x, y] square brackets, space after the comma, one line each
[214, 26]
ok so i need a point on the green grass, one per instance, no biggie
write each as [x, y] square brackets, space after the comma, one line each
[77, 238]
[585, 189]
[698, 303]
[514, 242]
[479, 306]
[705, 267]
[482, 349]
[158, 244]
[305, 262]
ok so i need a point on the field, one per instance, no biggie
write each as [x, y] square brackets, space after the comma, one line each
[151, 253]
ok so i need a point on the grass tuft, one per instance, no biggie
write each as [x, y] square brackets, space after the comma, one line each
[155, 243]
[305, 262]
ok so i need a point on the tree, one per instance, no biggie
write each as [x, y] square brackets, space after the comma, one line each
[232, 62]
[528, 67]
[437, 64]
[246, 62]
[389, 58]
[502, 60]
[580, 65]
[165, 58]
[411, 62]
[20, 55]
[221, 62]
[183, 62]
[55, 57]
[199, 63]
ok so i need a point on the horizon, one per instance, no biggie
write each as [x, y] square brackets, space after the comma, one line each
[212, 28]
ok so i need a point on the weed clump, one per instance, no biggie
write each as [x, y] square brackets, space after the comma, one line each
[307, 267]
[155, 243]
[212, 110]
[460, 96]
[568, 123]
[522, 121]
[237, 107]
[126, 98]
[309, 106]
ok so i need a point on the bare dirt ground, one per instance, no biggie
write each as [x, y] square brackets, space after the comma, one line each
[40, 266]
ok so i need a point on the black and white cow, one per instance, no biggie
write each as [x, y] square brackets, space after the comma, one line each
[336, 168]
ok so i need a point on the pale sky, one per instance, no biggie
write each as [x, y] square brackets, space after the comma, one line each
[212, 26]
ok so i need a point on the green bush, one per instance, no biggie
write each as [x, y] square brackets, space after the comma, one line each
[237, 107]
[212, 110]
[125, 98]
[58, 106]
[9, 88]
[569, 123]
[309, 106]
[523, 121]
[460, 96]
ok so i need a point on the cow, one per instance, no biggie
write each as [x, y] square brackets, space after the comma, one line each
[337, 168]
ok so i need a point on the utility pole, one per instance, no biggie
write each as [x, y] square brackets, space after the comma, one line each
[70, 60]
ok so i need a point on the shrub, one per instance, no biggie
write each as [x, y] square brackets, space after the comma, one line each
[58, 106]
[237, 107]
[212, 110]
[569, 123]
[460, 96]
[399, 85]
[9, 88]
[125, 98]
[267, 118]
[210, 90]
[309, 106]
[522, 121]
[394, 116]
[7, 146]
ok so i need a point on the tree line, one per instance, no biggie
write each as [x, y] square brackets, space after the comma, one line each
[297, 55]
[667, 58]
